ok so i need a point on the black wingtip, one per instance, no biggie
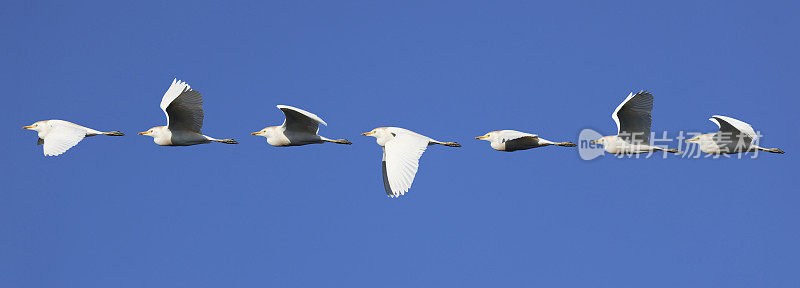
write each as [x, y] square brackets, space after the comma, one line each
[386, 180]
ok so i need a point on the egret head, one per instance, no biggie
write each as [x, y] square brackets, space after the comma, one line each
[152, 132]
[266, 132]
[38, 126]
[709, 137]
[602, 140]
[377, 132]
[488, 136]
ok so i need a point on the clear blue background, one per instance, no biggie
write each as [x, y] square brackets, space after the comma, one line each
[123, 212]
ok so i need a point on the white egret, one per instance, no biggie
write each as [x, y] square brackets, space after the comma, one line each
[58, 136]
[511, 140]
[734, 136]
[184, 109]
[633, 127]
[401, 151]
[299, 128]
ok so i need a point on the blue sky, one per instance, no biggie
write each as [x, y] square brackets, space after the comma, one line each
[123, 212]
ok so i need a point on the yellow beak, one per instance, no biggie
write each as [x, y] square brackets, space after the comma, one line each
[367, 133]
[690, 140]
[255, 133]
[143, 133]
[481, 137]
[27, 127]
[593, 141]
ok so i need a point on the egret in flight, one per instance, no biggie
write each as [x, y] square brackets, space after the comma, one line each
[58, 136]
[734, 136]
[184, 109]
[401, 151]
[299, 128]
[633, 127]
[510, 140]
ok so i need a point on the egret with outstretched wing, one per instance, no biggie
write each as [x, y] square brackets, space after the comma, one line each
[58, 136]
[401, 152]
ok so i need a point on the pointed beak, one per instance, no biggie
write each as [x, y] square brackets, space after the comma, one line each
[481, 137]
[690, 140]
[142, 133]
[27, 127]
[367, 133]
[593, 141]
[256, 133]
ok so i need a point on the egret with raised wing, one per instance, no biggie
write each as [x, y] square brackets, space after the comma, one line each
[299, 128]
[734, 136]
[633, 127]
[184, 110]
